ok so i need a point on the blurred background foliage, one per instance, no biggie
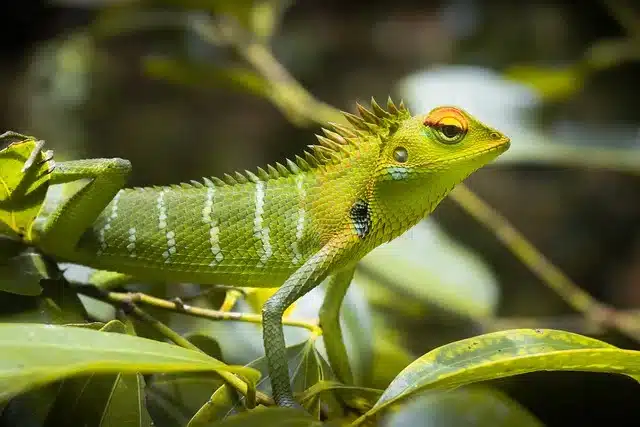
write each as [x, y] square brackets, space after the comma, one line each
[143, 80]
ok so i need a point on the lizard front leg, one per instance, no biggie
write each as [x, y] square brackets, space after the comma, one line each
[307, 277]
[78, 192]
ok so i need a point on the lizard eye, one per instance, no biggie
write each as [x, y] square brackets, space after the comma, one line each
[400, 155]
[448, 124]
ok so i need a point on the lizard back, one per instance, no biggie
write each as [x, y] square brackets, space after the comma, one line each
[256, 232]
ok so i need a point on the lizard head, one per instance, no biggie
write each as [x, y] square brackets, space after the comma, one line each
[423, 157]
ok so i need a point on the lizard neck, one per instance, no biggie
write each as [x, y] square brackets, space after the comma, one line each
[398, 206]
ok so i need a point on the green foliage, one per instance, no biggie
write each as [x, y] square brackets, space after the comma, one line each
[34, 355]
[503, 354]
[59, 365]
[21, 192]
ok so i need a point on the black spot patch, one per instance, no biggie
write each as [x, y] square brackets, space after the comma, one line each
[361, 218]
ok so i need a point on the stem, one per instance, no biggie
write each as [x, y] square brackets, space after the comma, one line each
[129, 306]
[602, 314]
[284, 91]
[216, 315]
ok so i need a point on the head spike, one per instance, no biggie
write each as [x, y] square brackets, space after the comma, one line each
[240, 178]
[401, 107]
[195, 183]
[251, 176]
[282, 171]
[217, 181]
[262, 174]
[392, 107]
[326, 142]
[356, 121]
[273, 172]
[208, 182]
[343, 130]
[292, 167]
[337, 138]
[311, 159]
[322, 153]
[229, 179]
[302, 163]
[368, 116]
[378, 110]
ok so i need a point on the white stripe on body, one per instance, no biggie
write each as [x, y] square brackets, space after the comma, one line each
[259, 230]
[162, 226]
[302, 194]
[214, 231]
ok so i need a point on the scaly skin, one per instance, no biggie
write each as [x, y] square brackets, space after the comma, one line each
[288, 227]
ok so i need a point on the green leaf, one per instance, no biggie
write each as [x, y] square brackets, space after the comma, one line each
[357, 331]
[266, 417]
[102, 399]
[30, 408]
[58, 304]
[306, 368]
[21, 193]
[360, 399]
[503, 354]
[32, 355]
[20, 269]
[173, 399]
[206, 344]
[477, 406]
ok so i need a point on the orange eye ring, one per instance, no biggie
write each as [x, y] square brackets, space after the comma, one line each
[448, 123]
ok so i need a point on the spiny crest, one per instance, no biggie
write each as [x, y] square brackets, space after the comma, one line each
[335, 145]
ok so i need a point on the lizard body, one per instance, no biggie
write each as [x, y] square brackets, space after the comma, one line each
[289, 226]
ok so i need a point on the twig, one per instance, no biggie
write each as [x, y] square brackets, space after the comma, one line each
[625, 15]
[129, 307]
[293, 100]
[205, 313]
[599, 313]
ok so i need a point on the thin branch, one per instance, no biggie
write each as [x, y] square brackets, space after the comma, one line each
[626, 16]
[205, 313]
[128, 305]
[285, 92]
[627, 323]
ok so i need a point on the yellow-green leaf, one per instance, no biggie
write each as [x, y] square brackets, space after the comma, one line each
[32, 355]
[504, 354]
[477, 406]
[358, 398]
[21, 269]
[21, 192]
[551, 83]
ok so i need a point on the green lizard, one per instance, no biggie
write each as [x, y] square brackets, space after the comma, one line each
[289, 226]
